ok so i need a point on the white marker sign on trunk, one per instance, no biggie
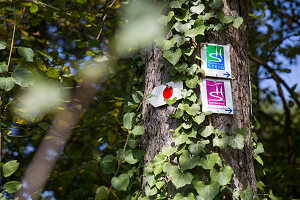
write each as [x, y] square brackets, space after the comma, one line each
[216, 60]
[216, 96]
[168, 91]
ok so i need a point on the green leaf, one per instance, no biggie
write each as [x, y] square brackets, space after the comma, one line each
[237, 22]
[180, 196]
[7, 83]
[209, 161]
[181, 67]
[133, 156]
[170, 102]
[188, 51]
[168, 150]
[138, 130]
[197, 9]
[236, 141]
[159, 184]
[226, 19]
[159, 159]
[172, 57]
[34, 8]
[180, 179]
[165, 19]
[164, 44]
[101, 193]
[53, 72]
[182, 28]
[258, 159]
[23, 77]
[168, 167]
[221, 143]
[158, 169]
[26, 53]
[218, 27]
[182, 15]
[3, 67]
[10, 167]
[192, 83]
[149, 191]
[180, 138]
[259, 148]
[207, 192]
[121, 182]
[209, 15]
[12, 186]
[199, 30]
[246, 194]
[193, 110]
[127, 120]
[215, 4]
[107, 164]
[199, 118]
[176, 3]
[186, 162]
[2, 45]
[187, 125]
[207, 131]
[197, 148]
[180, 40]
[223, 177]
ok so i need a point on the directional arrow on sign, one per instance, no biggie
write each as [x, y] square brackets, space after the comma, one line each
[168, 91]
[226, 74]
[229, 110]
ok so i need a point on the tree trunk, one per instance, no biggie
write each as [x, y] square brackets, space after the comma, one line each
[157, 122]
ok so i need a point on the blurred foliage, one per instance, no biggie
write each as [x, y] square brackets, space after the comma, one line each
[54, 39]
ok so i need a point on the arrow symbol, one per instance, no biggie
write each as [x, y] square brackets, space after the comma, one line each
[229, 109]
[226, 74]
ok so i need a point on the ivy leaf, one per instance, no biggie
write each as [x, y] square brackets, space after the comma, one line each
[182, 28]
[3, 67]
[176, 3]
[186, 162]
[23, 77]
[192, 83]
[197, 148]
[199, 118]
[180, 40]
[26, 53]
[164, 44]
[10, 167]
[209, 161]
[209, 15]
[188, 51]
[168, 167]
[236, 141]
[159, 184]
[107, 164]
[223, 176]
[168, 150]
[133, 156]
[165, 19]
[199, 30]
[53, 72]
[138, 130]
[182, 15]
[101, 193]
[121, 182]
[149, 191]
[237, 22]
[218, 27]
[180, 138]
[170, 102]
[2, 45]
[179, 196]
[181, 67]
[246, 194]
[193, 110]
[226, 19]
[173, 58]
[259, 148]
[207, 131]
[197, 9]
[207, 192]
[7, 83]
[180, 179]
[127, 120]
[221, 143]
[215, 4]
[258, 159]
[158, 169]
[187, 125]
[12, 186]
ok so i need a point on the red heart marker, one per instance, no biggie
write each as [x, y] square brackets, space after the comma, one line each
[168, 92]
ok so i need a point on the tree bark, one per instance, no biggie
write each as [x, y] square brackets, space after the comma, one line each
[157, 122]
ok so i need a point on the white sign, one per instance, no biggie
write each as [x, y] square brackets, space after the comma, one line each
[216, 96]
[216, 60]
[168, 91]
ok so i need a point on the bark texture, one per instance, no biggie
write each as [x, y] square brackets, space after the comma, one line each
[157, 122]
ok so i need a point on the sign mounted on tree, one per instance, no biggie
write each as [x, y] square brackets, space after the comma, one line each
[168, 91]
[216, 60]
[216, 96]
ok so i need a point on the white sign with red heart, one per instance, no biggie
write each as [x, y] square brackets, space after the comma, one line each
[168, 91]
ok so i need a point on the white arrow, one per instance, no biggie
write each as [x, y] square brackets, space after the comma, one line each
[168, 91]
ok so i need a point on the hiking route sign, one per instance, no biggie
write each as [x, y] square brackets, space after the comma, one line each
[216, 96]
[216, 60]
